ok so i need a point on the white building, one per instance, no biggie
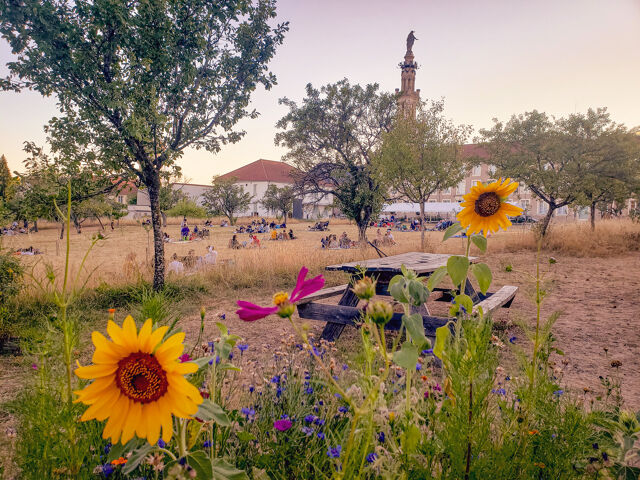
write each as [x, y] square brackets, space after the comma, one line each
[255, 178]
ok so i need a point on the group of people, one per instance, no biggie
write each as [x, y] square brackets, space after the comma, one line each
[28, 251]
[333, 242]
[191, 261]
[186, 234]
[384, 240]
[235, 244]
[14, 229]
[283, 235]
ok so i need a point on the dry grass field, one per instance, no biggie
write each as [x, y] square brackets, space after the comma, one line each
[594, 285]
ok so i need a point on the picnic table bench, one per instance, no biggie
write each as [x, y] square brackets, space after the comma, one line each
[346, 312]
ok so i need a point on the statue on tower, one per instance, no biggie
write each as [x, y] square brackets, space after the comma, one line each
[410, 39]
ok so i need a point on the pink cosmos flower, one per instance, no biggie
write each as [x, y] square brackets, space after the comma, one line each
[184, 358]
[250, 312]
[282, 425]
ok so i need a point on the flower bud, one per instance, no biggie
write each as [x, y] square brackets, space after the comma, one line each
[365, 288]
[380, 312]
[286, 310]
[202, 313]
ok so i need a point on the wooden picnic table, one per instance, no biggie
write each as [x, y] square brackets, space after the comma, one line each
[346, 312]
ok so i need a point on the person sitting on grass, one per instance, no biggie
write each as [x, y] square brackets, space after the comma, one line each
[274, 235]
[291, 235]
[333, 242]
[211, 256]
[234, 244]
[175, 266]
[255, 242]
[165, 237]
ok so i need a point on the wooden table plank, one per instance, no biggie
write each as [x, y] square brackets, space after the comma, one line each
[417, 261]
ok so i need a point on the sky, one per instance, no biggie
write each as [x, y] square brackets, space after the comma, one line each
[488, 59]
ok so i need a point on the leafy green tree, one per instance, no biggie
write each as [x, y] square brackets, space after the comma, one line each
[225, 198]
[422, 154]
[332, 138]
[278, 200]
[609, 160]
[137, 85]
[186, 207]
[534, 149]
[6, 180]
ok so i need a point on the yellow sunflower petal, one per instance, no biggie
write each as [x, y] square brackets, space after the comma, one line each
[155, 338]
[183, 368]
[153, 422]
[117, 335]
[96, 371]
[145, 332]
[91, 392]
[165, 419]
[132, 422]
[102, 407]
[180, 384]
[171, 348]
[511, 210]
[113, 428]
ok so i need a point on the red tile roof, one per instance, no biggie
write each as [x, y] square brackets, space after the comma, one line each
[263, 171]
[474, 150]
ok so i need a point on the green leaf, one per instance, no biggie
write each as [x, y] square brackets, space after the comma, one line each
[411, 437]
[457, 267]
[483, 275]
[480, 241]
[442, 335]
[436, 277]
[418, 292]
[136, 458]
[202, 361]
[223, 328]
[225, 471]
[200, 462]
[407, 356]
[246, 436]
[464, 301]
[212, 411]
[451, 231]
[396, 289]
[415, 327]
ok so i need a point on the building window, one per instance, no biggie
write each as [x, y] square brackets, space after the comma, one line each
[447, 191]
[525, 204]
[562, 210]
[477, 171]
[542, 208]
[461, 189]
[492, 170]
[255, 188]
[120, 199]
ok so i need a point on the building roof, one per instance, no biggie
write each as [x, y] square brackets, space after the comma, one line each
[474, 150]
[263, 171]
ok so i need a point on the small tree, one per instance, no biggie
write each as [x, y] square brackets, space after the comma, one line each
[137, 84]
[278, 200]
[226, 198]
[422, 155]
[533, 149]
[332, 138]
[186, 207]
[6, 180]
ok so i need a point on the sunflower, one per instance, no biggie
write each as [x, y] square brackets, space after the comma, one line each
[485, 208]
[138, 382]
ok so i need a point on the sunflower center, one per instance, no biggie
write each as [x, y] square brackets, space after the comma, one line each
[141, 378]
[488, 204]
[280, 298]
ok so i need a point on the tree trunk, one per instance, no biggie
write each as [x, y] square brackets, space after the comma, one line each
[153, 184]
[164, 219]
[35, 225]
[100, 222]
[544, 223]
[422, 226]
[362, 232]
[62, 230]
[593, 216]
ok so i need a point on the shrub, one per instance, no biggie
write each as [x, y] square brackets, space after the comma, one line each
[187, 208]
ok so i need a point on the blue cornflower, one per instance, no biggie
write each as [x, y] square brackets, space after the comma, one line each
[335, 377]
[161, 443]
[223, 316]
[320, 402]
[345, 366]
[343, 409]
[275, 379]
[212, 346]
[507, 378]
[182, 461]
[334, 452]
[372, 457]
[243, 347]
[319, 421]
[381, 437]
[279, 392]
[499, 391]
[307, 431]
[251, 388]
[248, 412]
[231, 356]
[418, 366]
[557, 393]
[512, 339]
[284, 416]
[206, 444]
[428, 351]
[321, 435]
[107, 469]
[308, 390]
[107, 447]
[337, 395]
[309, 418]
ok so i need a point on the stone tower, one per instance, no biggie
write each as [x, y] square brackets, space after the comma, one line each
[409, 96]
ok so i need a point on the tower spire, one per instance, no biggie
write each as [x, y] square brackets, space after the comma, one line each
[408, 95]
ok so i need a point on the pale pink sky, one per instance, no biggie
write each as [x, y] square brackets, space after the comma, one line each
[489, 58]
